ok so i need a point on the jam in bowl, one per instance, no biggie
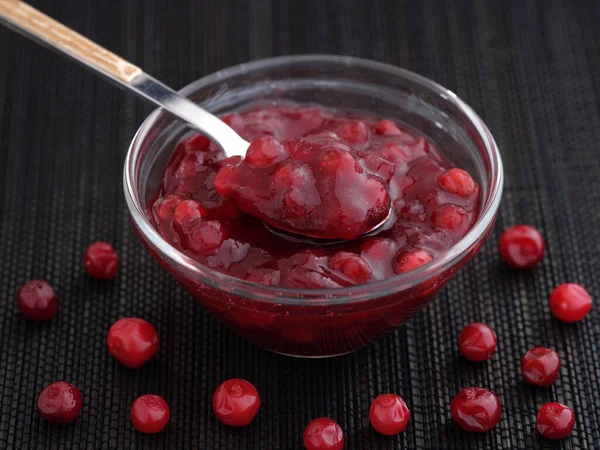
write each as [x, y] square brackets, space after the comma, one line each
[279, 244]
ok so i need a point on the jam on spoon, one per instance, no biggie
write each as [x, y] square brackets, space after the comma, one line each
[315, 186]
[214, 209]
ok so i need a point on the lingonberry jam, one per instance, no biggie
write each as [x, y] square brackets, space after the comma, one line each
[318, 173]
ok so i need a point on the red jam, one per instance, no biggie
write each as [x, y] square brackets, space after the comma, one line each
[314, 186]
[318, 173]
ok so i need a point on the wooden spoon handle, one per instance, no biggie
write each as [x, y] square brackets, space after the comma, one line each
[30, 21]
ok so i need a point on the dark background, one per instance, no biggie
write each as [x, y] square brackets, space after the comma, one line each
[530, 68]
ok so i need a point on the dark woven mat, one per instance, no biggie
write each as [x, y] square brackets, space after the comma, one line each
[530, 68]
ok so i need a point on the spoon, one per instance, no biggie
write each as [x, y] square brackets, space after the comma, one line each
[37, 26]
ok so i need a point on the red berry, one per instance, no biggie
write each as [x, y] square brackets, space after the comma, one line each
[457, 181]
[150, 414]
[36, 300]
[521, 246]
[351, 265]
[555, 421]
[570, 302]
[449, 217]
[354, 131]
[323, 434]
[187, 213]
[132, 341]
[540, 366]
[389, 414]
[236, 402]
[101, 260]
[59, 402]
[476, 409]
[196, 142]
[407, 261]
[206, 236]
[477, 342]
[264, 151]
[167, 205]
[387, 128]
[224, 181]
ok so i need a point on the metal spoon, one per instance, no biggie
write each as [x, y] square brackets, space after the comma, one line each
[37, 26]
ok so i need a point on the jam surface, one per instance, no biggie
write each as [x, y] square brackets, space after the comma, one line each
[342, 171]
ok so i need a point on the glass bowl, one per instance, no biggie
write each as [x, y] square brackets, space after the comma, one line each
[319, 322]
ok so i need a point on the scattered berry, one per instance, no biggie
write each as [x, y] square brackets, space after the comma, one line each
[150, 414]
[540, 366]
[132, 341]
[59, 402]
[476, 409]
[236, 402]
[101, 260]
[389, 414]
[570, 302]
[555, 421]
[477, 342]
[521, 246]
[36, 300]
[323, 434]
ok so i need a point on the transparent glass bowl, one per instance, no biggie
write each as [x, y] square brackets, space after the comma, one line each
[320, 322]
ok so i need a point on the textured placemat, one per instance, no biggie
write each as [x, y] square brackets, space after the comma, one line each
[530, 68]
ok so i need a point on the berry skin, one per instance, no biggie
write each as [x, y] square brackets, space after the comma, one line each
[354, 131]
[540, 366]
[236, 402]
[206, 236]
[477, 342]
[59, 402]
[521, 246]
[555, 421]
[150, 414]
[351, 265]
[101, 260]
[387, 128]
[36, 300]
[570, 302]
[411, 260]
[132, 341]
[476, 409]
[449, 217]
[323, 434]
[457, 181]
[389, 414]
[264, 151]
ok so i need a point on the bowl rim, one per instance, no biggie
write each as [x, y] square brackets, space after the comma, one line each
[256, 291]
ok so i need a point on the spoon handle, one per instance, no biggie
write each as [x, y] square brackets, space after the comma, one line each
[37, 26]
